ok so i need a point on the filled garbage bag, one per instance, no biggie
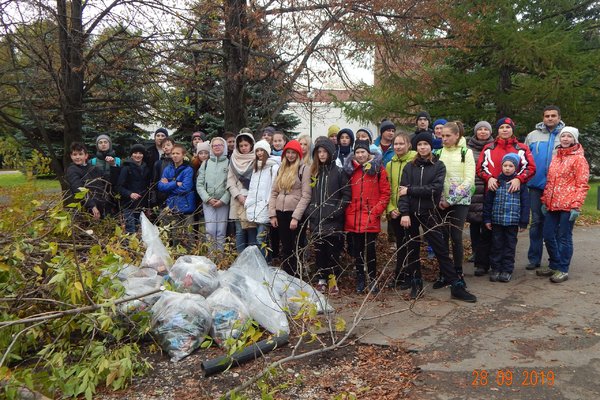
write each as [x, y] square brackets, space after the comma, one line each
[156, 257]
[293, 292]
[181, 322]
[128, 271]
[229, 315]
[251, 263]
[135, 286]
[195, 274]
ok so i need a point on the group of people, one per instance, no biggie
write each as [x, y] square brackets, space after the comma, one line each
[283, 195]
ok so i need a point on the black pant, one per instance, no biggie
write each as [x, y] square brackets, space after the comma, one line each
[454, 220]
[481, 242]
[432, 226]
[288, 240]
[364, 254]
[402, 242]
[504, 246]
[328, 248]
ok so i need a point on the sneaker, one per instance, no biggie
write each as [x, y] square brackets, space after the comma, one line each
[360, 285]
[479, 271]
[504, 277]
[430, 253]
[404, 286]
[546, 271]
[334, 290]
[321, 286]
[559, 277]
[531, 267]
[373, 289]
[440, 283]
[494, 276]
[459, 292]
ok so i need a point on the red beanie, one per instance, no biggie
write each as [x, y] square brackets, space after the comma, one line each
[293, 145]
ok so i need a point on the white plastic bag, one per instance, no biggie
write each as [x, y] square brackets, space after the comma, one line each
[181, 321]
[229, 315]
[195, 274]
[156, 257]
[290, 290]
[128, 271]
[135, 286]
[251, 263]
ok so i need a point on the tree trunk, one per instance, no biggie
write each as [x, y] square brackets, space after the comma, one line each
[503, 107]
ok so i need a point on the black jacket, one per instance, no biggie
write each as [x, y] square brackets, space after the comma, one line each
[91, 178]
[330, 197]
[133, 179]
[476, 208]
[425, 182]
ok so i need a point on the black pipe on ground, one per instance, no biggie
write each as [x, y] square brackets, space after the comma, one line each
[252, 352]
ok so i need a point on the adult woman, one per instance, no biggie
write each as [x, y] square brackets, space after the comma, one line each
[238, 181]
[289, 198]
[420, 191]
[402, 156]
[307, 147]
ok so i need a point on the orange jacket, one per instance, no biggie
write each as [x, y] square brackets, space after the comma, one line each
[567, 181]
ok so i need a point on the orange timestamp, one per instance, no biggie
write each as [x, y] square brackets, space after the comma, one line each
[510, 378]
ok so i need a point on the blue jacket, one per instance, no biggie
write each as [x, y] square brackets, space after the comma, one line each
[503, 208]
[542, 143]
[389, 153]
[181, 198]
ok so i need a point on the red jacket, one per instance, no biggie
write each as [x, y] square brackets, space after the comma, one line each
[567, 180]
[370, 196]
[489, 164]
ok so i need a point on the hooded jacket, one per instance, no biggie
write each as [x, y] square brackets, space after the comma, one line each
[369, 197]
[180, 198]
[542, 144]
[567, 182]
[212, 176]
[259, 192]
[489, 164]
[394, 173]
[344, 151]
[330, 194]
[238, 177]
[425, 181]
[133, 178]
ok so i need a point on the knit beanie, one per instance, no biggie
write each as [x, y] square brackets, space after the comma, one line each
[362, 144]
[293, 145]
[269, 130]
[572, 131]
[385, 125]
[423, 114]
[162, 130]
[199, 134]
[333, 130]
[422, 137]
[368, 133]
[204, 146]
[513, 158]
[482, 124]
[100, 137]
[263, 144]
[137, 148]
[440, 121]
[505, 120]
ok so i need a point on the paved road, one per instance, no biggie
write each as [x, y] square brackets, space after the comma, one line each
[544, 336]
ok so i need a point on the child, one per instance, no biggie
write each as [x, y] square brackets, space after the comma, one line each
[330, 196]
[158, 198]
[279, 142]
[107, 161]
[369, 199]
[261, 183]
[80, 174]
[307, 147]
[566, 188]
[505, 213]
[133, 184]
[365, 134]
[345, 140]
[420, 190]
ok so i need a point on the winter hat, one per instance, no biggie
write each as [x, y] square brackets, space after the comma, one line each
[137, 148]
[199, 134]
[368, 133]
[422, 137]
[326, 144]
[505, 120]
[293, 145]
[263, 144]
[347, 131]
[244, 135]
[162, 130]
[333, 130]
[246, 130]
[204, 146]
[385, 125]
[100, 137]
[440, 121]
[572, 131]
[423, 114]
[362, 144]
[269, 130]
[218, 139]
[482, 124]
[513, 158]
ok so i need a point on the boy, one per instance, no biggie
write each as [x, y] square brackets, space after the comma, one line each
[133, 184]
[157, 198]
[80, 174]
[505, 213]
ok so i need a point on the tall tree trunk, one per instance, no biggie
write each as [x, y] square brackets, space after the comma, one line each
[503, 107]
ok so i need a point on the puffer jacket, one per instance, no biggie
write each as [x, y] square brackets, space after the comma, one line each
[212, 179]
[370, 195]
[394, 172]
[295, 200]
[133, 178]
[475, 213]
[425, 181]
[567, 182]
[489, 164]
[504, 208]
[542, 144]
[181, 198]
[460, 174]
[259, 192]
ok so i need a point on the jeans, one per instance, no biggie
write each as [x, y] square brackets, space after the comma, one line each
[132, 219]
[244, 237]
[454, 221]
[558, 236]
[504, 246]
[536, 230]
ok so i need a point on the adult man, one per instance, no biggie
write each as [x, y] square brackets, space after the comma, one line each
[153, 152]
[542, 141]
[423, 122]
[387, 130]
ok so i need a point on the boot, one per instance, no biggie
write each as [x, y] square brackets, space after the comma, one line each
[360, 284]
[416, 288]
[459, 292]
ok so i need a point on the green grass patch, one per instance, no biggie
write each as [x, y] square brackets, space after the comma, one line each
[591, 201]
[15, 180]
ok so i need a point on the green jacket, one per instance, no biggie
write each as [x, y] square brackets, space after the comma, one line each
[394, 173]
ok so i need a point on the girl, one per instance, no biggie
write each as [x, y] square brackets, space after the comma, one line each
[238, 182]
[212, 188]
[289, 198]
[402, 156]
[307, 147]
[566, 188]
[456, 198]
[420, 190]
[369, 198]
[133, 184]
[330, 196]
[261, 183]
[279, 142]
[481, 239]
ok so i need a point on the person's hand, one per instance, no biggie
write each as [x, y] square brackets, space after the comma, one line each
[492, 184]
[293, 224]
[574, 214]
[444, 204]
[96, 212]
[394, 214]
[522, 229]
[218, 204]
[110, 161]
[273, 222]
[164, 180]
[488, 226]
[544, 209]
[134, 196]
[405, 221]
[515, 185]
[402, 191]
[242, 199]
[180, 184]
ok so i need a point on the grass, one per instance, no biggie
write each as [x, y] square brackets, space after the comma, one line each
[17, 179]
[591, 201]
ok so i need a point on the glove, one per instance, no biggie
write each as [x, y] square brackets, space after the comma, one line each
[544, 209]
[573, 215]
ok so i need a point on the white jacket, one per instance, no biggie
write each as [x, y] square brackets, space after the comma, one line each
[259, 192]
